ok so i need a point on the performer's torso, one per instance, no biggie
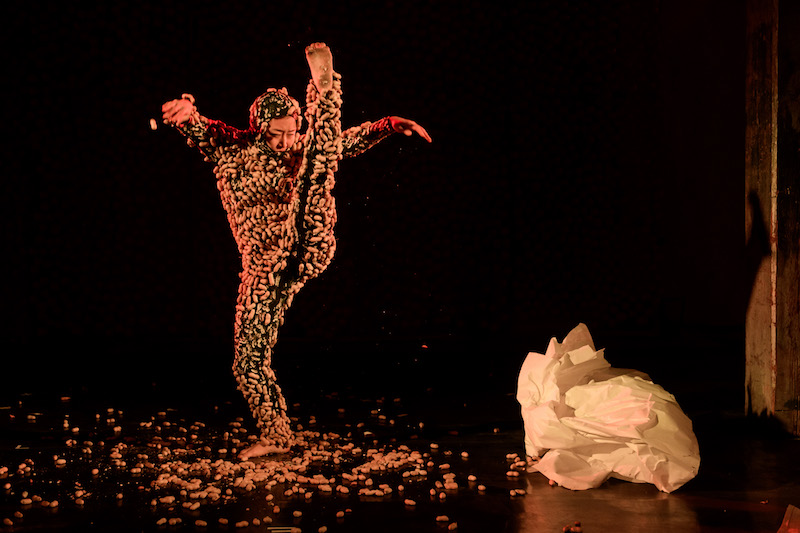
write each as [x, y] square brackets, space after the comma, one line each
[259, 194]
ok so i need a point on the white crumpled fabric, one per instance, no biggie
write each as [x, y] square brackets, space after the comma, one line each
[587, 421]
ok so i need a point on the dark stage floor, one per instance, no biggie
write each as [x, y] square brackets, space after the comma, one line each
[749, 473]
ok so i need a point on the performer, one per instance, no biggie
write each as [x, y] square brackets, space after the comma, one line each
[275, 185]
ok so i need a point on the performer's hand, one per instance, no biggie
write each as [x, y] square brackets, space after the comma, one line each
[408, 128]
[177, 111]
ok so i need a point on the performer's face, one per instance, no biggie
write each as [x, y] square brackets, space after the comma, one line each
[280, 133]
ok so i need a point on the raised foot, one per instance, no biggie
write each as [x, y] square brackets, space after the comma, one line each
[259, 450]
[320, 61]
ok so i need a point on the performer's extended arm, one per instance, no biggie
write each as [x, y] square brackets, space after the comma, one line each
[205, 133]
[359, 139]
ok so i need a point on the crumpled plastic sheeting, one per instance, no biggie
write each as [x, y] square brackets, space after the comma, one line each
[587, 421]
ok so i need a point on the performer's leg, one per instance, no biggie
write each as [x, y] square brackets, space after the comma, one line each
[317, 216]
[318, 242]
[258, 318]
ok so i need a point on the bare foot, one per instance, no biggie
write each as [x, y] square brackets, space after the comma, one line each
[257, 450]
[320, 61]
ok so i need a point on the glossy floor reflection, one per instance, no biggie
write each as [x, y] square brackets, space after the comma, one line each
[749, 472]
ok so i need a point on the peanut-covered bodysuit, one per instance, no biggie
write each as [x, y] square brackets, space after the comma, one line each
[282, 215]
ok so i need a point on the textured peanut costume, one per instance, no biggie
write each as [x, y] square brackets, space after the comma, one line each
[282, 215]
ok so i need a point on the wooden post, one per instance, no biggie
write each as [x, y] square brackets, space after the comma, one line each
[772, 214]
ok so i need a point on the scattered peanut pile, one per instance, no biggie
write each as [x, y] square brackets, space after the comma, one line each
[187, 474]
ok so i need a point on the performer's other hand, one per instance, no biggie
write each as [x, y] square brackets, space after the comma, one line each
[408, 127]
[177, 111]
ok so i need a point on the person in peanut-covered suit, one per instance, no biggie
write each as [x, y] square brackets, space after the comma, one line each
[276, 185]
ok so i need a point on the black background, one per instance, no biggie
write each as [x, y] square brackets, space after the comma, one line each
[587, 166]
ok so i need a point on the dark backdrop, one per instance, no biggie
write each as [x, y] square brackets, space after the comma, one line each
[586, 167]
